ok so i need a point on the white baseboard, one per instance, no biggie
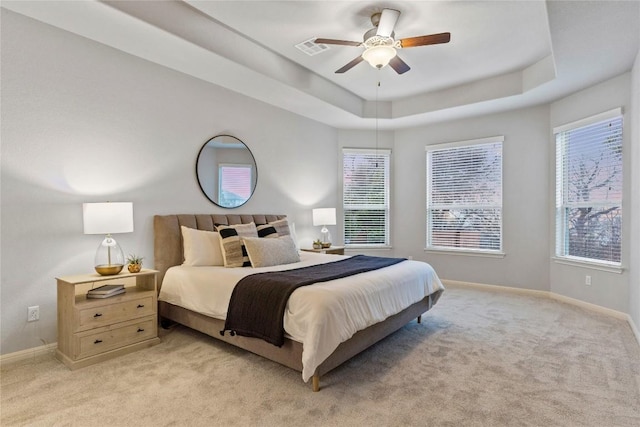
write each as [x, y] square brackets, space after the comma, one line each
[27, 354]
[594, 307]
[634, 328]
[548, 294]
[44, 349]
[521, 291]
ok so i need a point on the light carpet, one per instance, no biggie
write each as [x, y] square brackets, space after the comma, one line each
[480, 357]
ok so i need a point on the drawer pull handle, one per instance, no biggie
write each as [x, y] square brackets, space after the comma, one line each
[140, 305]
[97, 315]
[97, 341]
[140, 330]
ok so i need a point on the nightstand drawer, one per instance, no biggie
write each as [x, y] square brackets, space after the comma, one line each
[92, 343]
[95, 317]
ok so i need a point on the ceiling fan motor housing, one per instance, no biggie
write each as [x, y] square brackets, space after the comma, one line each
[371, 38]
[380, 44]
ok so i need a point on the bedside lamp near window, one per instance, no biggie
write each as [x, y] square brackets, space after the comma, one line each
[324, 217]
[108, 218]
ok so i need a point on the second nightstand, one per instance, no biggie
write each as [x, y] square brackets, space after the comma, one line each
[333, 250]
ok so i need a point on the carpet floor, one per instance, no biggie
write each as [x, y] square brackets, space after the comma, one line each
[480, 357]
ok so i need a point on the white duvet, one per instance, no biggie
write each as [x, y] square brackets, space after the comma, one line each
[320, 316]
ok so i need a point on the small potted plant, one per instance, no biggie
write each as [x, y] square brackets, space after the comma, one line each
[134, 263]
[317, 244]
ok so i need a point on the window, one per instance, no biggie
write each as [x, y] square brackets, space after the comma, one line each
[234, 184]
[589, 189]
[365, 193]
[464, 195]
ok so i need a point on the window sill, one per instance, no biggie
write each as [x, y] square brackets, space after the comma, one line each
[587, 264]
[485, 254]
[369, 248]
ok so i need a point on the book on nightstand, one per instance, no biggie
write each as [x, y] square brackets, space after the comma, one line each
[105, 291]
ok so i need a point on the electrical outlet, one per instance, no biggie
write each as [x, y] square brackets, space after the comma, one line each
[587, 280]
[33, 313]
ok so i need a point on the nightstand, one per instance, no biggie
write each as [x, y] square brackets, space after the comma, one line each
[333, 250]
[94, 330]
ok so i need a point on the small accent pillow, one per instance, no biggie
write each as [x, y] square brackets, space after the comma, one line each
[233, 250]
[267, 230]
[268, 252]
[281, 226]
[201, 247]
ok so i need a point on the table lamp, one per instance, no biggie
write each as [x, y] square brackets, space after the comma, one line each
[108, 218]
[324, 217]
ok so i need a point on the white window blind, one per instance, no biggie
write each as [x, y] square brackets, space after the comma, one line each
[234, 184]
[365, 192]
[464, 195]
[589, 189]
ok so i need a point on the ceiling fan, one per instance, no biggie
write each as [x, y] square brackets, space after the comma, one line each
[380, 46]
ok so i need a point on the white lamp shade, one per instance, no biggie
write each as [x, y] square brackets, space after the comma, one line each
[107, 218]
[324, 216]
[379, 56]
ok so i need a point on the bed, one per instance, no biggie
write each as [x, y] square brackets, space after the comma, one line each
[312, 347]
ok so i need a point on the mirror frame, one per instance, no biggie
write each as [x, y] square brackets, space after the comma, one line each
[254, 177]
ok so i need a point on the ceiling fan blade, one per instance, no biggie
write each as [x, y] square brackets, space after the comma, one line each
[350, 65]
[340, 42]
[387, 23]
[399, 65]
[425, 40]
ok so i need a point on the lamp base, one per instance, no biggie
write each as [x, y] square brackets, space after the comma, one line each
[109, 270]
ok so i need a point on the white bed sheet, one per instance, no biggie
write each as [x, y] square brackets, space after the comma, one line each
[320, 316]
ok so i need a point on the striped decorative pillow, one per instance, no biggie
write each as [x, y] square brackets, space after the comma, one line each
[233, 250]
[267, 230]
[281, 226]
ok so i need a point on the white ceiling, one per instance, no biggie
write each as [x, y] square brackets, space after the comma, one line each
[502, 54]
[475, 51]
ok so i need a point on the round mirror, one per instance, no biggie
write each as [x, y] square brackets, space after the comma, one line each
[226, 171]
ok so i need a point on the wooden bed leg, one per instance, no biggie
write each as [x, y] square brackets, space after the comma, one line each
[420, 319]
[316, 382]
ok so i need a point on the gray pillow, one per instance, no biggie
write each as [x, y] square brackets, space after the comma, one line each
[267, 252]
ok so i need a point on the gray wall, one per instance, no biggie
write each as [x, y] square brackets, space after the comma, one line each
[634, 262]
[607, 289]
[525, 198]
[82, 122]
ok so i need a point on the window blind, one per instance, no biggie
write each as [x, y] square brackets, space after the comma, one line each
[464, 195]
[234, 187]
[589, 190]
[366, 197]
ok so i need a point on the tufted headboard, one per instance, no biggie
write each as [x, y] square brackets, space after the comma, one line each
[167, 236]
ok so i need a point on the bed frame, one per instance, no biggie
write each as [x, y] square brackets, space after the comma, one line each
[168, 252]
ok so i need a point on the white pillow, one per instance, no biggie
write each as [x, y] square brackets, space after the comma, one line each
[267, 252]
[201, 247]
[292, 229]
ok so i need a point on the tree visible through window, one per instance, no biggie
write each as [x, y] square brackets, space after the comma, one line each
[589, 189]
[464, 195]
[366, 197]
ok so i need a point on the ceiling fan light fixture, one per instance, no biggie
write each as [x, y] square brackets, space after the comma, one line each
[379, 56]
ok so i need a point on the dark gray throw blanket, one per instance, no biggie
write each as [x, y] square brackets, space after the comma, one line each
[258, 301]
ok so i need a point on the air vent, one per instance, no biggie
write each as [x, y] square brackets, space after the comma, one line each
[311, 48]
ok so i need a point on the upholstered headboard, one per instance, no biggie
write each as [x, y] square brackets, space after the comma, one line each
[167, 236]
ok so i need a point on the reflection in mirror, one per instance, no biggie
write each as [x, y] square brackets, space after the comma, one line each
[226, 171]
